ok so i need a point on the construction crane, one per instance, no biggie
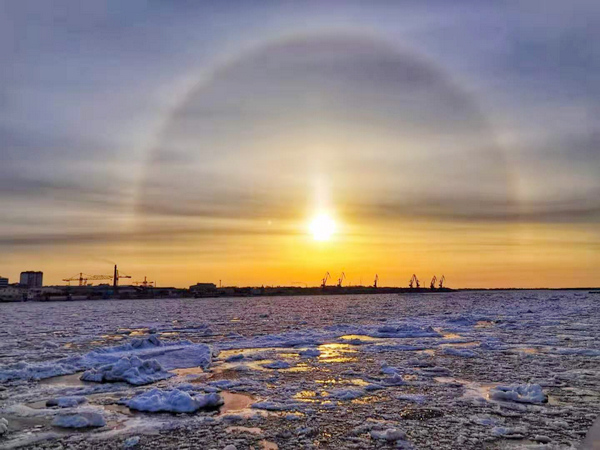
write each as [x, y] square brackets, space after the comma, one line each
[375, 282]
[144, 284]
[433, 280]
[441, 285]
[324, 280]
[414, 281]
[116, 277]
[341, 279]
[83, 279]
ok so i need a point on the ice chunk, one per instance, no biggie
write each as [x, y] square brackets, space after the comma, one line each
[157, 400]
[346, 394]
[273, 406]
[463, 352]
[131, 442]
[80, 420]
[523, 393]
[277, 365]
[66, 402]
[130, 369]
[309, 353]
[390, 435]
[3, 426]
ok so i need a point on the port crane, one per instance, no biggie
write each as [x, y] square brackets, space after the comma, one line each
[433, 280]
[375, 282]
[341, 279]
[414, 281]
[144, 284]
[324, 280]
[83, 278]
[441, 285]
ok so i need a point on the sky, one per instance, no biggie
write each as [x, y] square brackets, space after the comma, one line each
[196, 141]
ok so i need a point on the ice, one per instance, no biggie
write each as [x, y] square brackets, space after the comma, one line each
[524, 393]
[79, 420]
[66, 402]
[273, 406]
[131, 442]
[3, 426]
[175, 400]
[277, 365]
[309, 353]
[176, 355]
[130, 369]
[391, 434]
[26, 371]
[349, 382]
[347, 394]
[403, 331]
[462, 352]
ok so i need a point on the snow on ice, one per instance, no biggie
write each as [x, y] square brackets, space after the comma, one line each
[130, 369]
[80, 420]
[176, 401]
[524, 393]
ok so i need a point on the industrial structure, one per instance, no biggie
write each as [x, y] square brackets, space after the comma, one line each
[3, 282]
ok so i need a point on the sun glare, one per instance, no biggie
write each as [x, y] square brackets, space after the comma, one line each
[322, 227]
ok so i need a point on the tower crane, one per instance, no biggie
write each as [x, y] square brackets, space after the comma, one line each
[441, 285]
[433, 280]
[117, 276]
[375, 282]
[341, 279]
[324, 280]
[83, 278]
[144, 284]
[414, 281]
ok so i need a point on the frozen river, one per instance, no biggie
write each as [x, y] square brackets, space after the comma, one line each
[512, 369]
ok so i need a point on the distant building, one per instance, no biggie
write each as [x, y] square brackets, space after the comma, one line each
[3, 282]
[13, 294]
[203, 288]
[31, 279]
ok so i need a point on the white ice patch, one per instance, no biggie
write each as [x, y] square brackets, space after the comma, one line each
[130, 369]
[346, 394]
[175, 400]
[80, 420]
[3, 426]
[524, 393]
[390, 435]
[175, 355]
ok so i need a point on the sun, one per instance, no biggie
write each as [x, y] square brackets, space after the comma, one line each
[322, 227]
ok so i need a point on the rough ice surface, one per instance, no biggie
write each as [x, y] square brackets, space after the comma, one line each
[175, 400]
[453, 377]
[391, 434]
[277, 365]
[66, 402]
[81, 420]
[462, 352]
[130, 369]
[525, 393]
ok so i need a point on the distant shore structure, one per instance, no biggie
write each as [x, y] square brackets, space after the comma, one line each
[31, 279]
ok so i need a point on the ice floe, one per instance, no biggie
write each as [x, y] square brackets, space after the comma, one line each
[523, 393]
[175, 400]
[80, 420]
[130, 369]
[66, 402]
